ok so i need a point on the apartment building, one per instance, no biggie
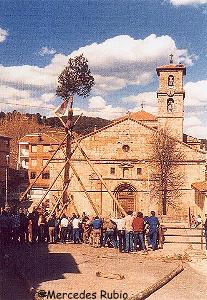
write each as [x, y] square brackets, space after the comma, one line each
[35, 150]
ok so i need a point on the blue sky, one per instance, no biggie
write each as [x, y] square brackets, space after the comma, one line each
[124, 42]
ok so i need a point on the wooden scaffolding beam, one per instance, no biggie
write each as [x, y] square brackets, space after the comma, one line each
[100, 177]
[62, 210]
[72, 201]
[58, 201]
[82, 185]
[44, 196]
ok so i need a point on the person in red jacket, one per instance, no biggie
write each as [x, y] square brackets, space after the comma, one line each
[138, 231]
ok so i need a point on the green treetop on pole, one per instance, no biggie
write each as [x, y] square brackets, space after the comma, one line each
[75, 79]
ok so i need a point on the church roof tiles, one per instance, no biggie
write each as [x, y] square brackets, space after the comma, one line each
[138, 116]
[142, 116]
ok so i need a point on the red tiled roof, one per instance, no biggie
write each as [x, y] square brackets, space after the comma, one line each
[138, 116]
[142, 116]
[200, 186]
[43, 138]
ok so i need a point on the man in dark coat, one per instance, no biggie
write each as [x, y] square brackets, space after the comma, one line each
[34, 216]
[154, 224]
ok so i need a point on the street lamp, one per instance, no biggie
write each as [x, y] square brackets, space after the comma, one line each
[6, 181]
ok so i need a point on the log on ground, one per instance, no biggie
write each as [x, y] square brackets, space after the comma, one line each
[157, 285]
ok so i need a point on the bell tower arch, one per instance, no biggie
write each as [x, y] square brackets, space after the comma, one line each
[170, 96]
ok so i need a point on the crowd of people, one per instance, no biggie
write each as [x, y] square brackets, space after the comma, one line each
[130, 233]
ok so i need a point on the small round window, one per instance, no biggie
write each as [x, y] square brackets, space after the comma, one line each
[125, 148]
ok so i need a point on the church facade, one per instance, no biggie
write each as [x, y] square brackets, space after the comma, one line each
[117, 166]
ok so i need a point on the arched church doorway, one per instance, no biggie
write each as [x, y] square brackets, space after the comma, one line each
[126, 196]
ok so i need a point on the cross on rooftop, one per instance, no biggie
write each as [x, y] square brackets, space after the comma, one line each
[171, 58]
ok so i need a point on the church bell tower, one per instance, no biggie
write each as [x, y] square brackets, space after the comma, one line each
[170, 97]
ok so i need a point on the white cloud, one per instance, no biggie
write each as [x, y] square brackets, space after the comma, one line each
[115, 63]
[10, 92]
[195, 96]
[108, 112]
[147, 99]
[96, 102]
[98, 107]
[195, 125]
[106, 84]
[3, 35]
[192, 121]
[16, 99]
[47, 97]
[31, 76]
[46, 51]
[124, 60]
[187, 2]
[196, 93]
[197, 131]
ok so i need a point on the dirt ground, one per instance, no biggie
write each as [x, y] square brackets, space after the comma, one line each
[73, 269]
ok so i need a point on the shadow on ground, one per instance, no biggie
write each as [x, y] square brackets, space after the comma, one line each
[26, 265]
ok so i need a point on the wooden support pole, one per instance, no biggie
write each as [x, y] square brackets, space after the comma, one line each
[40, 173]
[68, 146]
[61, 120]
[51, 185]
[160, 283]
[86, 192]
[62, 210]
[101, 179]
[72, 201]
[77, 119]
[57, 202]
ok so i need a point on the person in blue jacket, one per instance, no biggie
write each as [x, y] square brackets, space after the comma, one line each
[154, 224]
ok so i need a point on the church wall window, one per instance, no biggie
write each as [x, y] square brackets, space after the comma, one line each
[170, 105]
[139, 171]
[46, 175]
[33, 175]
[34, 148]
[125, 172]
[112, 170]
[125, 148]
[170, 80]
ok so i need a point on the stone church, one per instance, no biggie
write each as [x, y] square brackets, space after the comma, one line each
[113, 168]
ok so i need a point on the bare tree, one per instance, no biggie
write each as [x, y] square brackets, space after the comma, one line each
[75, 79]
[168, 157]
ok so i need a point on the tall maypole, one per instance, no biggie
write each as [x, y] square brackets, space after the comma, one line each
[75, 79]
